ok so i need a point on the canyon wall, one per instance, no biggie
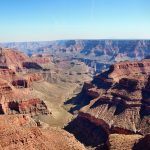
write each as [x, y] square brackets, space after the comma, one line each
[119, 104]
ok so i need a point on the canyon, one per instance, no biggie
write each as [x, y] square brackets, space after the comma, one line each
[75, 94]
[30, 110]
[98, 54]
[115, 106]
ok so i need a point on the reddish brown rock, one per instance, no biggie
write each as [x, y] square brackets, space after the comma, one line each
[22, 101]
[26, 80]
[41, 59]
[18, 61]
[16, 96]
[7, 74]
[17, 73]
[4, 87]
[33, 77]
[133, 69]
[21, 132]
[119, 103]
[12, 59]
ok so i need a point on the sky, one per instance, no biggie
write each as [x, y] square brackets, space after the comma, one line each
[46, 20]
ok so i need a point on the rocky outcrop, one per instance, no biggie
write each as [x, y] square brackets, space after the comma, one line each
[123, 142]
[125, 69]
[33, 106]
[129, 142]
[21, 132]
[31, 77]
[19, 101]
[18, 61]
[17, 97]
[18, 104]
[4, 87]
[12, 59]
[41, 59]
[26, 80]
[16, 94]
[89, 130]
[7, 74]
[119, 104]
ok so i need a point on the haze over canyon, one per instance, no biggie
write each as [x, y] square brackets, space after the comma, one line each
[75, 94]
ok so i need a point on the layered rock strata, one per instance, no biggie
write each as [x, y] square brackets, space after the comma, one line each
[16, 94]
[119, 104]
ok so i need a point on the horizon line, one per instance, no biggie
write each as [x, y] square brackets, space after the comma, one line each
[77, 39]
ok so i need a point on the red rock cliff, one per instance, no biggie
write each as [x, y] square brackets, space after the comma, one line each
[119, 103]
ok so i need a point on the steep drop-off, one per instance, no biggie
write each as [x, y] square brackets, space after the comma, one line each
[118, 103]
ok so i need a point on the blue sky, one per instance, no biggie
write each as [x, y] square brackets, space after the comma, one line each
[35, 20]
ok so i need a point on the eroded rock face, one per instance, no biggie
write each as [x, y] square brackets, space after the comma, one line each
[129, 142]
[21, 132]
[119, 103]
[89, 130]
[23, 101]
[4, 87]
[34, 77]
[19, 101]
[125, 69]
[26, 80]
[41, 59]
[16, 94]
[121, 141]
[12, 59]
[7, 74]
[18, 61]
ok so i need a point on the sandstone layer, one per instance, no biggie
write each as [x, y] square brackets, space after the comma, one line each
[21, 132]
[19, 101]
[117, 101]
[16, 94]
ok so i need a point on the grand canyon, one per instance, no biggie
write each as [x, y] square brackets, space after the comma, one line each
[75, 95]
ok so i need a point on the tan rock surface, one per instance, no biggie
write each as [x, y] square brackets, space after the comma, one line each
[20, 132]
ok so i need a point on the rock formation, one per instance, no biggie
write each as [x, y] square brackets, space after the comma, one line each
[116, 102]
[21, 132]
[98, 54]
[132, 69]
[123, 142]
[12, 59]
[16, 95]
[41, 58]
[19, 101]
